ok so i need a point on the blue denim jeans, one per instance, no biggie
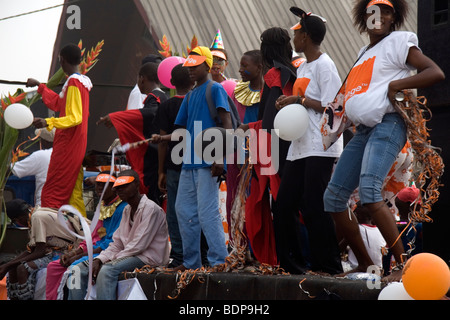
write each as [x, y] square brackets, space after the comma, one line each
[365, 162]
[197, 208]
[176, 252]
[107, 278]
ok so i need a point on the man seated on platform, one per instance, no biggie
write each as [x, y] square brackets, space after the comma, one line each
[141, 239]
[48, 239]
[109, 219]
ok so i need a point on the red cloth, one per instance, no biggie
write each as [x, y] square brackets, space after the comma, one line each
[258, 216]
[129, 125]
[273, 79]
[69, 148]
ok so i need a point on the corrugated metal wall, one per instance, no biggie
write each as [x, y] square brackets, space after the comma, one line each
[241, 23]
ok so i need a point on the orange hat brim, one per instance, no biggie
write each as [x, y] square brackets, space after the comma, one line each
[194, 60]
[219, 54]
[298, 26]
[375, 2]
[120, 181]
[103, 177]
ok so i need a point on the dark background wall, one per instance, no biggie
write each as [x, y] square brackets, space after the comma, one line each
[434, 38]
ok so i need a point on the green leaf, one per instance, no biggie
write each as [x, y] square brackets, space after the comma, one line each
[9, 140]
[56, 79]
[52, 82]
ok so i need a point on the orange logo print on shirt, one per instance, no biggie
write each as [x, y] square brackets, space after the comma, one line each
[359, 79]
[300, 86]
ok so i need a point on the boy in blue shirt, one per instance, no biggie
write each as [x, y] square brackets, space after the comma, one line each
[197, 203]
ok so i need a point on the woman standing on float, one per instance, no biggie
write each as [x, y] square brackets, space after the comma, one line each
[308, 167]
[383, 70]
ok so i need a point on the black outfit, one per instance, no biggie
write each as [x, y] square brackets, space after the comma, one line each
[301, 193]
[268, 111]
[149, 112]
[165, 119]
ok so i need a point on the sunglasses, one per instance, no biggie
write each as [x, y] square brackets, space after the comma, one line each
[219, 61]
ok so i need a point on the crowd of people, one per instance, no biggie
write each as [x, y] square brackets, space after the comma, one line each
[302, 217]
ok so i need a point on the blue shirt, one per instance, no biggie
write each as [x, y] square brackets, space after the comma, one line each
[195, 117]
[111, 224]
[251, 113]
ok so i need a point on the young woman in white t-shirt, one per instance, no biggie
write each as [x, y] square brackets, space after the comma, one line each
[383, 70]
[308, 167]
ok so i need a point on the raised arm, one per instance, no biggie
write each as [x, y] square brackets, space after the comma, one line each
[428, 74]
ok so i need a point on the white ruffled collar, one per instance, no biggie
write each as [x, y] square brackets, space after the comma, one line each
[85, 81]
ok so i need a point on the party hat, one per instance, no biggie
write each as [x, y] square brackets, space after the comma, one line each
[217, 42]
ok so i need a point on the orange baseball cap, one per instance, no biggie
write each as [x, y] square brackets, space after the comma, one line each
[103, 177]
[120, 181]
[375, 2]
[302, 14]
[203, 54]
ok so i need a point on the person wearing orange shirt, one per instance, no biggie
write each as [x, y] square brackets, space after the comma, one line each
[65, 172]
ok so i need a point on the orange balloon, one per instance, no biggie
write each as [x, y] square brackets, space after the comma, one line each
[426, 277]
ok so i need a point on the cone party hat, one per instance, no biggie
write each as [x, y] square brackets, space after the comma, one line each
[217, 42]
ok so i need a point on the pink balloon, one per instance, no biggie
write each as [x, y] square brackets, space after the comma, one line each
[229, 86]
[165, 70]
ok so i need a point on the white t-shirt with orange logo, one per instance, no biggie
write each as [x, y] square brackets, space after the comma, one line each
[318, 80]
[366, 91]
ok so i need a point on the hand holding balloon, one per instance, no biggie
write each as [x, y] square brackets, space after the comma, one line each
[283, 101]
[39, 123]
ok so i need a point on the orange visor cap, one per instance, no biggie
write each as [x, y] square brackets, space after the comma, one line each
[120, 181]
[103, 177]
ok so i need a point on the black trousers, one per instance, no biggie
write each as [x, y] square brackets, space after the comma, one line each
[303, 183]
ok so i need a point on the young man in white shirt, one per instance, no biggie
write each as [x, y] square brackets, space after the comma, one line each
[36, 164]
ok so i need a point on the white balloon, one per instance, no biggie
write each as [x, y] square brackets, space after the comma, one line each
[18, 116]
[394, 291]
[292, 121]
